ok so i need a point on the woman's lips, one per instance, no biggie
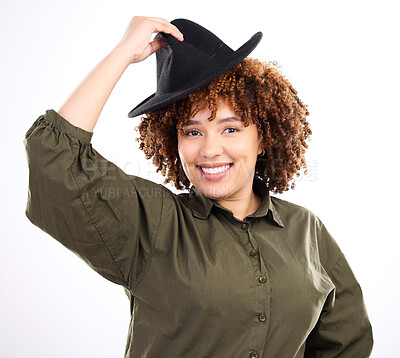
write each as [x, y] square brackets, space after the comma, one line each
[216, 176]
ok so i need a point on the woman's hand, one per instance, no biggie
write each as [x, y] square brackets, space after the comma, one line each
[136, 41]
[85, 104]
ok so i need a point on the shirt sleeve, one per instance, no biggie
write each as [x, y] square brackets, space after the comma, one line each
[87, 203]
[343, 329]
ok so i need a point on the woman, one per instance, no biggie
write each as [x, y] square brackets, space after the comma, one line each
[224, 270]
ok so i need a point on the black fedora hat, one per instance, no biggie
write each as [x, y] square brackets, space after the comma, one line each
[184, 67]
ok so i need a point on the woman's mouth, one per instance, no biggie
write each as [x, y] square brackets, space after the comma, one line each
[214, 173]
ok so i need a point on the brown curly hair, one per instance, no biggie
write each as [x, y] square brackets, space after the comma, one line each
[258, 93]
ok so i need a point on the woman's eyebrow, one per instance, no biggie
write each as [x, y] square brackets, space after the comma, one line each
[223, 120]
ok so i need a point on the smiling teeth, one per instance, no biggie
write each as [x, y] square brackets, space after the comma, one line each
[215, 170]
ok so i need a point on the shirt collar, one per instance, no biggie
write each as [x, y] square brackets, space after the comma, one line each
[201, 205]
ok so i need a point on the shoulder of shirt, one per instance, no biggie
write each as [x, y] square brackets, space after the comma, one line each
[292, 211]
[292, 214]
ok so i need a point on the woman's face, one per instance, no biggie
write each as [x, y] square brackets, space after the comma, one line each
[225, 148]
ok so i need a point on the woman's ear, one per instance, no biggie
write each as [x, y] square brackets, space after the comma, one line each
[260, 145]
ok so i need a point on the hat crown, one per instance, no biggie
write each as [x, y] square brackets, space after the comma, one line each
[185, 66]
[186, 61]
[199, 37]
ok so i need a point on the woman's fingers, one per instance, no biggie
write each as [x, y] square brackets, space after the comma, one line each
[152, 47]
[136, 40]
[168, 27]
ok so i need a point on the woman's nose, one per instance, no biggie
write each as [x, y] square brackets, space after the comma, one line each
[211, 146]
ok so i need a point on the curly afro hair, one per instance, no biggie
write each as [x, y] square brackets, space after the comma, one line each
[258, 93]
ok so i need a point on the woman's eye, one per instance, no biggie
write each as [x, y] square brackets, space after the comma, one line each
[192, 131]
[232, 129]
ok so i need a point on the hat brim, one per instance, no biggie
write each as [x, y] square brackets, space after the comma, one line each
[157, 101]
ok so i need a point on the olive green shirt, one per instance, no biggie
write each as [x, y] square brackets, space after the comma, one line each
[201, 282]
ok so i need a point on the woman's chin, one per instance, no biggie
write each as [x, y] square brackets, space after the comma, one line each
[214, 192]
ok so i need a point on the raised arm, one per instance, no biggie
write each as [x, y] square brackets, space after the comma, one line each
[85, 104]
[108, 218]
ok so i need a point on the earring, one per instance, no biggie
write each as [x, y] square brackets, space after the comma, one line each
[262, 153]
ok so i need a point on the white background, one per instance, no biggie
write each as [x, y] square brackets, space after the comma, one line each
[342, 57]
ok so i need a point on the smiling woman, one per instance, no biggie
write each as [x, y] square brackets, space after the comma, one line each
[219, 158]
[225, 269]
[257, 94]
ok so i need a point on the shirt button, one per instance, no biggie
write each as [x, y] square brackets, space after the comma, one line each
[262, 279]
[253, 253]
[262, 317]
[253, 355]
[245, 226]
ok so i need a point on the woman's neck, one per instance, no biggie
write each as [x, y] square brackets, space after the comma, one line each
[241, 207]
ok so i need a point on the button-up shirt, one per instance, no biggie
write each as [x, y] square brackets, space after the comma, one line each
[201, 282]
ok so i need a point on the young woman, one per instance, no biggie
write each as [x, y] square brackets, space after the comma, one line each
[224, 269]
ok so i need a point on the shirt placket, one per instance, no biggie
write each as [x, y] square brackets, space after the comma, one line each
[262, 290]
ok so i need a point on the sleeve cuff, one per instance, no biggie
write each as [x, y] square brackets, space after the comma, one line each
[63, 125]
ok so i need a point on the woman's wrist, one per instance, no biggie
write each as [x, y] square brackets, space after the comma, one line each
[126, 55]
